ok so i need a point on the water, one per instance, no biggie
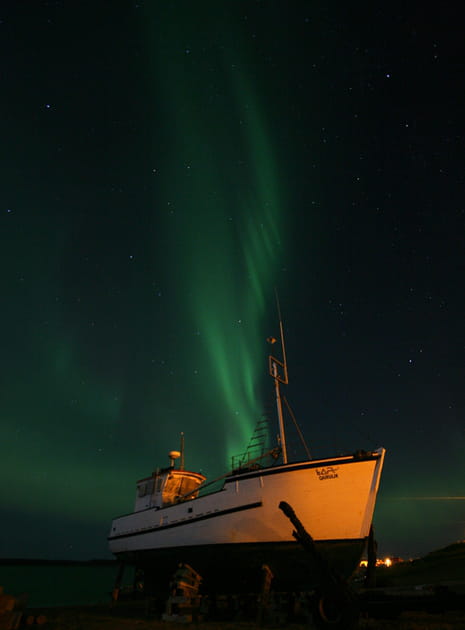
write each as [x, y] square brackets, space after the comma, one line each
[61, 585]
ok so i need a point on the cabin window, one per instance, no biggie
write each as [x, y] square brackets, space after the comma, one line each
[158, 484]
[145, 488]
[171, 490]
[179, 488]
[189, 487]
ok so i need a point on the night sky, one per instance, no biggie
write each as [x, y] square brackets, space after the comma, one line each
[165, 166]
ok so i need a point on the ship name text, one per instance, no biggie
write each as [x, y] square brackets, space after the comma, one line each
[330, 472]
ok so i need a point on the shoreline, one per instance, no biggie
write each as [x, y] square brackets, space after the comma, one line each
[57, 563]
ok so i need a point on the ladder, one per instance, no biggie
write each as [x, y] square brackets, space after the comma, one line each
[258, 445]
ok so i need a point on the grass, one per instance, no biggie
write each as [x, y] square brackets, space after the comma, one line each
[417, 621]
[447, 564]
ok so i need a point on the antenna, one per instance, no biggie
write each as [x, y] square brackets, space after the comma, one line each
[181, 467]
[283, 347]
[274, 365]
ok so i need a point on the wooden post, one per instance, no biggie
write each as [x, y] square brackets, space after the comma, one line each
[372, 548]
[117, 586]
[265, 595]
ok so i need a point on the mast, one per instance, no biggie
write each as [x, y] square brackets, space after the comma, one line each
[279, 377]
[182, 451]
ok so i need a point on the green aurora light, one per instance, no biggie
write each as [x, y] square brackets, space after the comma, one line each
[223, 217]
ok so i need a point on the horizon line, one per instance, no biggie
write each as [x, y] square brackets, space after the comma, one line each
[425, 498]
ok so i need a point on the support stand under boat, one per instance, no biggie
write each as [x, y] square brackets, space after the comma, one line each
[183, 603]
[117, 587]
[334, 605]
[264, 601]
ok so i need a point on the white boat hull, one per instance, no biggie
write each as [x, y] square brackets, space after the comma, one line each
[241, 524]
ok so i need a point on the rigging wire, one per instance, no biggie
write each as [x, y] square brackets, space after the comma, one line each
[299, 431]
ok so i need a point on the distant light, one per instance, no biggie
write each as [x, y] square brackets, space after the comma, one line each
[380, 562]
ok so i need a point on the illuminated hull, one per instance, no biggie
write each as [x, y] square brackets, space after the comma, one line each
[239, 528]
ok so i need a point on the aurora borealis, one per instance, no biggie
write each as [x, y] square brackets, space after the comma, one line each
[165, 167]
[226, 224]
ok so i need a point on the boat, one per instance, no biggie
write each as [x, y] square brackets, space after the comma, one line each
[228, 530]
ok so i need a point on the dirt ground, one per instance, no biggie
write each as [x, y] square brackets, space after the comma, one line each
[114, 618]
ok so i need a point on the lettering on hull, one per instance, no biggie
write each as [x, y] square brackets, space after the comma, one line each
[330, 472]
